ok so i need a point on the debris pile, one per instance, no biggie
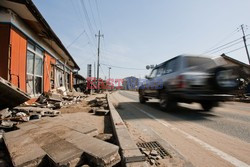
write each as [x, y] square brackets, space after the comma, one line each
[153, 151]
[152, 156]
[46, 105]
[68, 140]
[59, 99]
[99, 105]
[11, 117]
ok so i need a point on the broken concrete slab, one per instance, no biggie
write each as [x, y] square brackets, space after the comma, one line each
[25, 127]
[38, 110]
[62, 90]
[10, 95]
[137, 164]
[76, 94]
[5, 113]
[52, 96]
[85, 129]
[98, 152]
[62, 153]
[101, 111]
[104, 136]
[6, 124]
[24, 151]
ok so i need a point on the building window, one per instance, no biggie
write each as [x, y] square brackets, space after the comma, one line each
[52, 76]
[34, 70]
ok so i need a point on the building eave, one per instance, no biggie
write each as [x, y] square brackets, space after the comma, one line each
[45, 30]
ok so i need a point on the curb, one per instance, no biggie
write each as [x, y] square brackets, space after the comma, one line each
[130, 153]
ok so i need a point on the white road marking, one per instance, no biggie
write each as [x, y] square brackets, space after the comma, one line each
[208, 147]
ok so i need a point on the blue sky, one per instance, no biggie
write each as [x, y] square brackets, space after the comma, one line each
[142, 32]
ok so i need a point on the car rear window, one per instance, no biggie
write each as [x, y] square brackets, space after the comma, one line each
[197, 61]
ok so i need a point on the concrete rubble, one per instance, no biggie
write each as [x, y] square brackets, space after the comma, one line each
[99, 105]
[60, 141]
[152, 156]
[46, 105]
[33, 137]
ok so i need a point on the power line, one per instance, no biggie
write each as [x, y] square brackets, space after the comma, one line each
[234, 42]
[78, 12]
[231, 34]
[87, 16]
[92, 13]
[103, 72]
[76, 39]
[99, 16]
[236, 49]
[222, 46]
[226, 47]
[128, 68]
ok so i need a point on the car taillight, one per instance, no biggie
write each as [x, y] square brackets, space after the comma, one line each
[181, 82]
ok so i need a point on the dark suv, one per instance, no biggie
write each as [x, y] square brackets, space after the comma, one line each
[190, 79]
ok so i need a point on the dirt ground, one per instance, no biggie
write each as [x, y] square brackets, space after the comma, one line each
[80, 107]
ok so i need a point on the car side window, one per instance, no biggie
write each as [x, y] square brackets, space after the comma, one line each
[153, 73]
[160, 71]
[171, 66]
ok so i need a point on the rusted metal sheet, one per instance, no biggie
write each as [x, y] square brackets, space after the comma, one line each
[10, 95]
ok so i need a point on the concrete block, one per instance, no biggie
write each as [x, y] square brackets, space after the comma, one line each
[38, 110]
[101, 112]
[14, 134]
[53, 96]
[98, 152]
[137, 164]
[23, 150]
[45, 138]
[82, 128]
[27, 126]
[62, 152]
[133, 155]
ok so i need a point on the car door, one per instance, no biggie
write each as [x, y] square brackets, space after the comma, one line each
[157, 82]
[170, 73]
[149, 82]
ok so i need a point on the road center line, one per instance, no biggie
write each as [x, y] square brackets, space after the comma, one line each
[205, 145]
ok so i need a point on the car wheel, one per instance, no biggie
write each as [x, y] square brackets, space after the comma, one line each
[163, 101]
[166, 103]
[207, 106]
[142, 99]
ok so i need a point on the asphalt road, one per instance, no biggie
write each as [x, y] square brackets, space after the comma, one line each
[220, 137]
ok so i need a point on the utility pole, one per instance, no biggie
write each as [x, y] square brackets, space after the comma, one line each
[94, 69]
[109, 72]
[244, 39]
[98, 58]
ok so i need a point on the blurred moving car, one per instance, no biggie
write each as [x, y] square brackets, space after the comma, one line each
[188, 78]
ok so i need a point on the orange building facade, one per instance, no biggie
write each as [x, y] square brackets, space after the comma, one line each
[31, 56]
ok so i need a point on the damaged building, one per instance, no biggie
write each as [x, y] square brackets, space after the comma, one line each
[32, 56]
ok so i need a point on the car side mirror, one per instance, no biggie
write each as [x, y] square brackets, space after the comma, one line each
[147, 77]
